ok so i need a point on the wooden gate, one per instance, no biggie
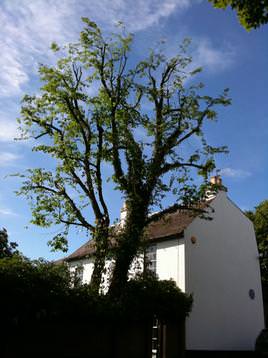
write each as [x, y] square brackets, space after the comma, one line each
[168, 339]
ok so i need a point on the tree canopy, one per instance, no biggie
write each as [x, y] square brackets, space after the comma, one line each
[7, 249]
[259, 217]
[251, 13]
[145, 119]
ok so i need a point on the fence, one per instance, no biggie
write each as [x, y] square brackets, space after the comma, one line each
[133, 339]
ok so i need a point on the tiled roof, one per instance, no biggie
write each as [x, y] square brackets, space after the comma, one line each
[169, 225]
[87, 249]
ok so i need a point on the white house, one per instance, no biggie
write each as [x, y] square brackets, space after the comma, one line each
[217, 261]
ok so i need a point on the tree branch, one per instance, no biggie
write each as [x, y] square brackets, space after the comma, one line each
[120, 176]
[173, 208]
[98, 170]
[171, 166]
[62, 192]
[89, 189]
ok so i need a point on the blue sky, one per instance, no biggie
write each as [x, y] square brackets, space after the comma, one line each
[230, 56]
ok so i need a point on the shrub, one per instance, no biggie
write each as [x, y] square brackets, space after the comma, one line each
[148, 297]
[38, 291]
[31, 289]
[7, 249]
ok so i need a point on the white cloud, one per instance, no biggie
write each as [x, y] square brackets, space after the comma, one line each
[204, 52]
[245, 208]
[7, 158]
[8, 130]
[139, 14]
[212, 58]
[234, 173]
[29, 26]
[7, 212]
[13, 75]
[27, 29]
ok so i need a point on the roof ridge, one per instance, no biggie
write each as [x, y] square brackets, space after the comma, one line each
[169, 225]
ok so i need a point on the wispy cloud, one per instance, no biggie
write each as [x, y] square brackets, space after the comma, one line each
[7, 158]
[138, 15]
[245, 208]
[7, 212]
[27, 29]
[8, 130]
[205, 53]
[234, 173]
[213, 58]
[29, 26]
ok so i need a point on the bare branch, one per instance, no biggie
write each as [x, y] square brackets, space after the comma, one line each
[176, 165]
[67, 222]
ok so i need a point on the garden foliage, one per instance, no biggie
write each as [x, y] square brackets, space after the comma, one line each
[38, 291]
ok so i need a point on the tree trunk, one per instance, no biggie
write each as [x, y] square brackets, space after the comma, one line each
[129, 242]
[101, 238]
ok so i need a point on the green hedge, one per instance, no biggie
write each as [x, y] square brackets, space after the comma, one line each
[40, 291]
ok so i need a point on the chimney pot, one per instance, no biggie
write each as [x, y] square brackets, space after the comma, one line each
[216, 180]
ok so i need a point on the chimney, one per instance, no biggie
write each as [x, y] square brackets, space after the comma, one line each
[216, 180]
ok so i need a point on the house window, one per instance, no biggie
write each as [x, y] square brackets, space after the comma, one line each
[78, 275]
[150, 258]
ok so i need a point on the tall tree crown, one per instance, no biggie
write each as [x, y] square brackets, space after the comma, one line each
[96, 107]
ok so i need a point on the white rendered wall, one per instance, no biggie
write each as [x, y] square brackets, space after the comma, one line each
[221, 267]
[169, 264]
[88, 265]
[136, 266]
[170, 261]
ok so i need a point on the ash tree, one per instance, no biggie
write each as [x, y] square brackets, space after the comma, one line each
[251, 13]
[96, 106]
[61, 120]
